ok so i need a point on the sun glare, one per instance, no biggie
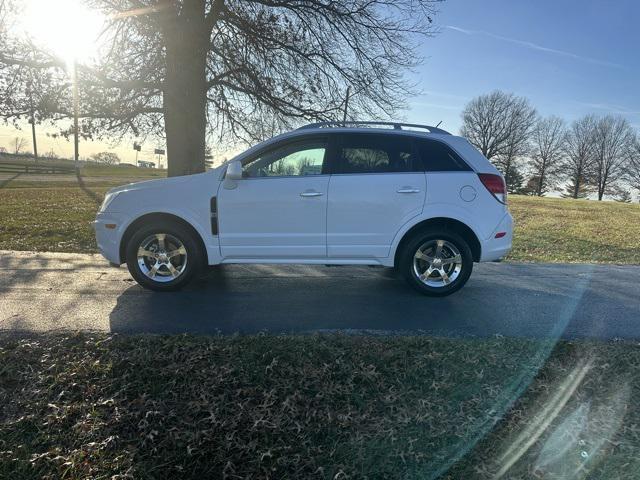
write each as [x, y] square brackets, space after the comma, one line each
[67, 28]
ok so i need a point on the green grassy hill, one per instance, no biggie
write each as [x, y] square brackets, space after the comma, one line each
[565, 230]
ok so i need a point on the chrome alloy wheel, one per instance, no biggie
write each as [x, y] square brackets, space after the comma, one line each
[437, 263]
[162, 257]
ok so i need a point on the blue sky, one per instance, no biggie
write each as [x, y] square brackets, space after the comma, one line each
[568, 57]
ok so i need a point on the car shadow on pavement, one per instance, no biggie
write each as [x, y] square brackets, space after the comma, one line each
[498, 300]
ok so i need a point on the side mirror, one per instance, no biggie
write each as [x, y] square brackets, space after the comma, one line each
[234, 171]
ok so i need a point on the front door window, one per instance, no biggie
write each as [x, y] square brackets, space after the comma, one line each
[292, 160]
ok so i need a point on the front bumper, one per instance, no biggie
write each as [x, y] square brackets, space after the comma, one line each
[495, 248]
[108, 239]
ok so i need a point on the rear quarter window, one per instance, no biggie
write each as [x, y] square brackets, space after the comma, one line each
[439, 157]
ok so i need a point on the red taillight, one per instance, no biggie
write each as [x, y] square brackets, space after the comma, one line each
[495, 184]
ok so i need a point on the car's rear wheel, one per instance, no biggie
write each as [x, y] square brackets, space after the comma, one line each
[436, 263]
[163, 257]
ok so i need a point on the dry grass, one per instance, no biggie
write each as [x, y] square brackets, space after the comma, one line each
[326, 407]
[564, 230]
[49, 219]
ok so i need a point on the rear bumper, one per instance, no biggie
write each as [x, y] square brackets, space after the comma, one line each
[495, 248]
[108, 239]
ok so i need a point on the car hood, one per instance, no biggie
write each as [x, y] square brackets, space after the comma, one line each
[157, 183]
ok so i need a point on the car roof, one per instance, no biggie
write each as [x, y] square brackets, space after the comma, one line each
[459, 144]
[370, 124]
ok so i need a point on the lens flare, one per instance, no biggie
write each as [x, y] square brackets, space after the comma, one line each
[65, 28]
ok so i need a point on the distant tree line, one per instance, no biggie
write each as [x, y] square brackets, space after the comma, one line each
[593, 155]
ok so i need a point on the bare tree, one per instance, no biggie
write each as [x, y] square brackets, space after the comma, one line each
[548, 153]
[499, 124]
[180, 69]
[632, 171]
[107, 158]
[18, 145]
[580, 156]
[614, 141]
[489, 121]
[520, 121]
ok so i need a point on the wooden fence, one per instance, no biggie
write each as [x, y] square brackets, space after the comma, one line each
[41, 168]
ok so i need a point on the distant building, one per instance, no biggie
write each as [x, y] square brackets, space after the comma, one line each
[143, 164]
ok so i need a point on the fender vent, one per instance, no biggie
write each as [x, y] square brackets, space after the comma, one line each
[214, 216]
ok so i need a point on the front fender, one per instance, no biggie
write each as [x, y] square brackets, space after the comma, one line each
[190, 216]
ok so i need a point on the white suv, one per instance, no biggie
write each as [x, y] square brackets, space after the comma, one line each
[407, 196]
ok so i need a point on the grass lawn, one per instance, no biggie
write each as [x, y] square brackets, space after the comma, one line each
[323, 406]
[563, 230]
[56, 215]
[49, 219]
[123, 170]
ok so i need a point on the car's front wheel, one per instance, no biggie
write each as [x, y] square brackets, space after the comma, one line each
[436, 263]
[163, 257]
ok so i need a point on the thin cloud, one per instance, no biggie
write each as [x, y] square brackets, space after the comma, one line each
[609, 107]
[534, 46]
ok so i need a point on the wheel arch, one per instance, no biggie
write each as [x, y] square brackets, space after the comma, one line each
[444, 223]
[160, 217]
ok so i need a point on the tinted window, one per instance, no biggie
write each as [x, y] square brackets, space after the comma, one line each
[293, 159]
[375, 153]
[438, 157]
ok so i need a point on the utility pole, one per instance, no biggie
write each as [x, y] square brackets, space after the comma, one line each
[32, 121]
[346, 104]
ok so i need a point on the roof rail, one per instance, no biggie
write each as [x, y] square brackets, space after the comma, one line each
[395, 125]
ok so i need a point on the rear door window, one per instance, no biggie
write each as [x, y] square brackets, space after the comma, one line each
[375, 153]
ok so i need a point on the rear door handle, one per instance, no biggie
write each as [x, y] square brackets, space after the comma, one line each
[311, 194]
[408, 190]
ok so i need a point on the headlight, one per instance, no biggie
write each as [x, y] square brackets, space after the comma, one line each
[109, 197]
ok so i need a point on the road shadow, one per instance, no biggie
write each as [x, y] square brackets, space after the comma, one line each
[95, 197]
[230, 300]
[6, 181]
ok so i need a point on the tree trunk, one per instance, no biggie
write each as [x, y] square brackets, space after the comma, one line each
[185, 91]
[540, 183]
[576, 187]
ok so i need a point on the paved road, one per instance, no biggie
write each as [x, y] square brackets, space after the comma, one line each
[68, 291]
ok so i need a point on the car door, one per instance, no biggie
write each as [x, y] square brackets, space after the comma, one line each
[279, 208]
[377, 185]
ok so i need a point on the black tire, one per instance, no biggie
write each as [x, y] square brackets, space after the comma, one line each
[452, 241]
[174, 232]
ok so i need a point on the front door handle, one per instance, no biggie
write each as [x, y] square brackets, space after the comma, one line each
[408, 190]
[310, 193]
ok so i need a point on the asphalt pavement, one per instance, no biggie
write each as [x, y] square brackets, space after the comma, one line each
[50, 291]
